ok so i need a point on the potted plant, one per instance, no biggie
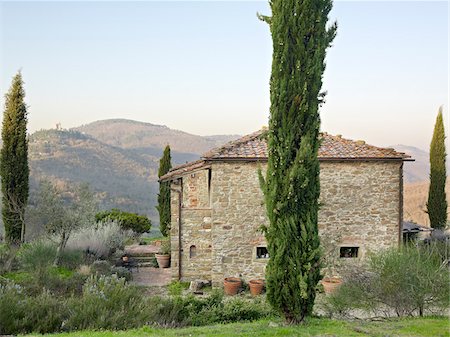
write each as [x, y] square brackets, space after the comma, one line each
[231, 285]
[163, 257]
[256, 287]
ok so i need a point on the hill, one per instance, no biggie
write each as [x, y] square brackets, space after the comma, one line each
[120, 178]
[128, 134]
[417, 170]
[415, 199]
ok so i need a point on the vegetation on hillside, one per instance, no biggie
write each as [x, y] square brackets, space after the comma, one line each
[14, 168]
[437, 200]
[291, 187]
[130, 134]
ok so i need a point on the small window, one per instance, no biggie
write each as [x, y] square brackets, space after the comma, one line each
[349, 252]
[192, 251]
[262, 253]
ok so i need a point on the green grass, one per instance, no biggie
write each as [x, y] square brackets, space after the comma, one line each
[411, 327]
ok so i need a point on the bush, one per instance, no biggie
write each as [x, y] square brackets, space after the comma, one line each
[403, 282]
[122, 272]
[128, 221]
[71, 258]
[107, 302]
[44, 313]
[176, 288]
[12, 310]
[8, 258]
[101, 241]
[180, 311]
[37, 255]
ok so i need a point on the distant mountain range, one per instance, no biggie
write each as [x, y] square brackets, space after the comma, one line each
[119, 158]
[146, 137]
[418, 170]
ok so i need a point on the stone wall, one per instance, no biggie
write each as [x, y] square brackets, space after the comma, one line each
[238, 213]
[359, 208]
[360, 205]
[195, 226]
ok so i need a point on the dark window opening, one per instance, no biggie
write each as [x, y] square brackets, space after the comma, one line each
[209, 183]
[262, 253]
[346, 252]
[192, 251]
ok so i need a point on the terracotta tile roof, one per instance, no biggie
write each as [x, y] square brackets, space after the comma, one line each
[254, 147]
[178, 170]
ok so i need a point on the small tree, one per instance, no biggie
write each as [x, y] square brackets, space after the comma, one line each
[60, 218]
[164, 193]
[437, 200]
[14, 168]
[127, 221]
[300, 38]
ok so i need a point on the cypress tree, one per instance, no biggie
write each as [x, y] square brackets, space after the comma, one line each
[14, 169]
[164, 193]
[300, 38]
[437, 201]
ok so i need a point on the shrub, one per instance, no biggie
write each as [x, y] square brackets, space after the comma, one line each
[101, 241]
[128, 221]
[37, 255]
[190, 310]
[107, 302]
[8, 258]
[44, 313]
[101, 267]
[403, 282]
[22, 314]
[176, 288]
[71, 258]
[12, 310]
[122, 272]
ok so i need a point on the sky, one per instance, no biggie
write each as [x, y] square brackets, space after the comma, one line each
[204, 67]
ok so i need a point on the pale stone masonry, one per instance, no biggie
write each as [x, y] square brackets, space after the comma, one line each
[222, 206]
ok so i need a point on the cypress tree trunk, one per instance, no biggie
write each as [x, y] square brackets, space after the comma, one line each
[164, 193]
[14, 169]
[437, 201]
[291, 188]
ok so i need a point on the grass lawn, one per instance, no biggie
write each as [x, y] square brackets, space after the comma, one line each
[431, 326]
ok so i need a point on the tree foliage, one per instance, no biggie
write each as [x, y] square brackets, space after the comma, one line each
[61, 216]
[291, 187]
[437, 200]
[135, 222]
[163, 206]
[14, 168]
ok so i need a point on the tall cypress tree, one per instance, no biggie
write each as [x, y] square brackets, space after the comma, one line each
[164, 193]
[291, 187]
[437, 201]
[14, 169]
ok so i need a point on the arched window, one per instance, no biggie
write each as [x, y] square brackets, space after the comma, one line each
[192, 251]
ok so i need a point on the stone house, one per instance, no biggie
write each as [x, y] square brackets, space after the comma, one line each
[217, 206]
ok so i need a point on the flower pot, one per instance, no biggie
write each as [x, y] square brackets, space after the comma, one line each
[256, 287]
[163, 260]
[331, 284]
[231, 285]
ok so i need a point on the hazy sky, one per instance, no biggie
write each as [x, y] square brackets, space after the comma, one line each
[204, 67]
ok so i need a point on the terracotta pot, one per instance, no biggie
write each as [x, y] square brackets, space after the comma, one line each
[231, 285]
[163, 260]
[331, 284]
[256, 287]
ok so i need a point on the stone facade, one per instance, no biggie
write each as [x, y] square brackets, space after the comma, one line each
[223, 210]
